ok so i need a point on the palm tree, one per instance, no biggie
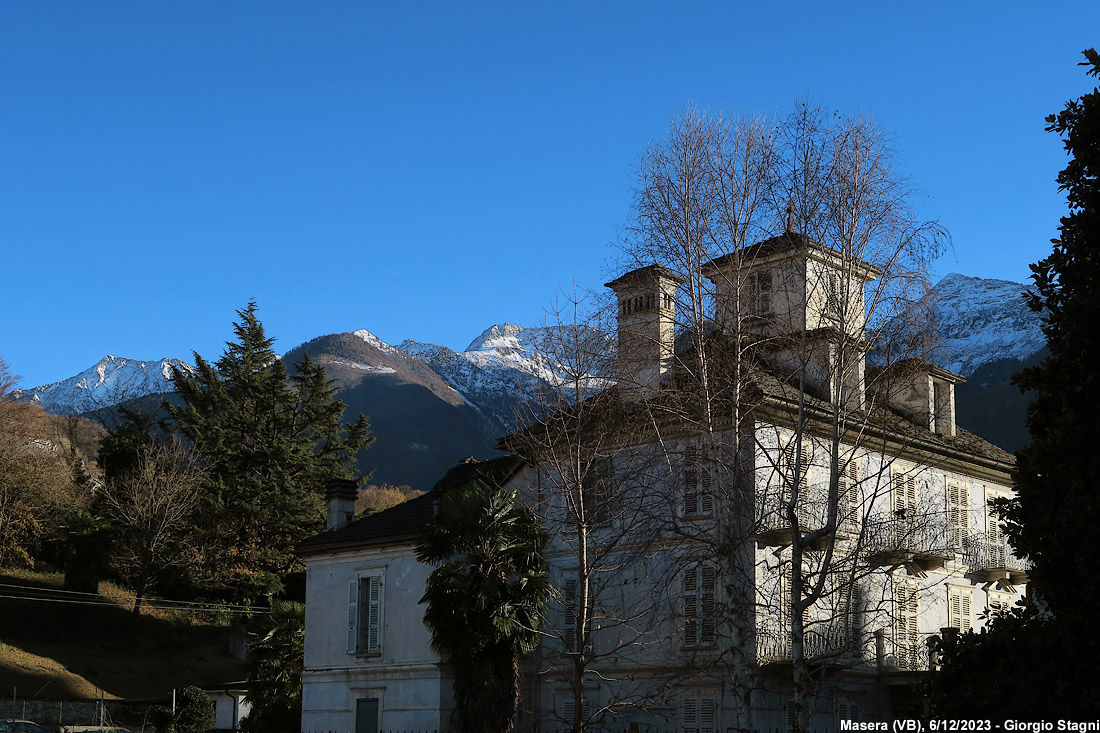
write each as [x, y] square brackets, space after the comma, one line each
[276, 649]
[485, 599]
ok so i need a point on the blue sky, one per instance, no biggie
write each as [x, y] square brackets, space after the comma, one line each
[424, 170]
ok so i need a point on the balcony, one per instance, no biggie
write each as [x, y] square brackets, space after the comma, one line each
[908, 658]
[812, 513]
[832, 644]
[925, 539]
[992, 558]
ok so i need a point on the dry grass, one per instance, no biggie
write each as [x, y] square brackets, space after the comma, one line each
[76, 650]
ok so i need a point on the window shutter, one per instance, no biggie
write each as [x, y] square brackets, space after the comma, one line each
[848, 495]
[691, 607]
[691, 480]
[570, 625]
[958, 610]
[689, 715]
[706, 603]
[855, 621]
[353, 617]
[374, 616]
[791, 452]
[905, 495]
[785, 599]
[958, 513]
[706, 467]
[569, 706]
[847, 710]
[706, 715]
[907, 625]
[698, 715]
[697, 481]
[998, 551]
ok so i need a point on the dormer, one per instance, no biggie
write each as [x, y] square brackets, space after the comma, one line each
[787, 286]
[920, 390]
[646, 326]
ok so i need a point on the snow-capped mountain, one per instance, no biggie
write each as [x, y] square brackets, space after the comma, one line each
[503, 369]
[496, 388]
[982, 321]
[501, 373]
[112, 380]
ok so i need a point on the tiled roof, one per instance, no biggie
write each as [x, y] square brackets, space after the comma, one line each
[405, 520]
[762, 388]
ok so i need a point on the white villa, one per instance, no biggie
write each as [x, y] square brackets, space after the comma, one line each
[812, 457]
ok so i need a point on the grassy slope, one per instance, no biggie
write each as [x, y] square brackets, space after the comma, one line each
[57, 650]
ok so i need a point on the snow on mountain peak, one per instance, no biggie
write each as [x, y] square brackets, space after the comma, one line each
[374, 341]
[111, 380]
[498, 336]
[982, 320]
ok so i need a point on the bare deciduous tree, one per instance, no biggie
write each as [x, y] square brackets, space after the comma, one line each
[35, 479]
[150, 508]
[749, 438]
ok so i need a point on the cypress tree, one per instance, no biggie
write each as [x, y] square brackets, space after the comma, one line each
[269, 443]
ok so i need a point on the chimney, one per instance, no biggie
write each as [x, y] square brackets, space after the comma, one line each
[647, 325]
[340, 496]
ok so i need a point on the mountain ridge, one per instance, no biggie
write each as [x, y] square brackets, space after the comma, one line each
[486, 390]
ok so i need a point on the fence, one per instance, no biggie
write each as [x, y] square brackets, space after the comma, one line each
[78, 712]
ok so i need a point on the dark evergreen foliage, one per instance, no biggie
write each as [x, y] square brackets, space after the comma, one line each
[485, 600]
[1046, 651]
[1054, 518]
[194, 711]
[269, 443]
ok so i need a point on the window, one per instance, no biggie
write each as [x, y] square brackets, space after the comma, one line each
[365, 616]
[795, 465]
[833, 295]
[760, 293]
[848, 710]
[999, 603]
[905, 495]
[698, 498]
[958, 609]
[570, 706]
[847, 614]
[786, 617]
[699, 606]
[596, 492]
[998, 550]
[698, 715]
[908, 650]
[958, 513]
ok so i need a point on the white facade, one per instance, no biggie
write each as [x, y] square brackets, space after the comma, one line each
[690, 602]
[395, 678]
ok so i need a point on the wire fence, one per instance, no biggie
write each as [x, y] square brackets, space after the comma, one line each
[121, 713]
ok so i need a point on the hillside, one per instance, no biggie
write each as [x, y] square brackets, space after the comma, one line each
[59, 650]
[422, 425]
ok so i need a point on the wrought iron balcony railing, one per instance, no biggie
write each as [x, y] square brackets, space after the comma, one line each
[896, 537]
[833, 641]
[982, 553]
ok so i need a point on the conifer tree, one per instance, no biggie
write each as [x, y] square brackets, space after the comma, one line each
[1054, 518]
[269, 443]
[1037, 662]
